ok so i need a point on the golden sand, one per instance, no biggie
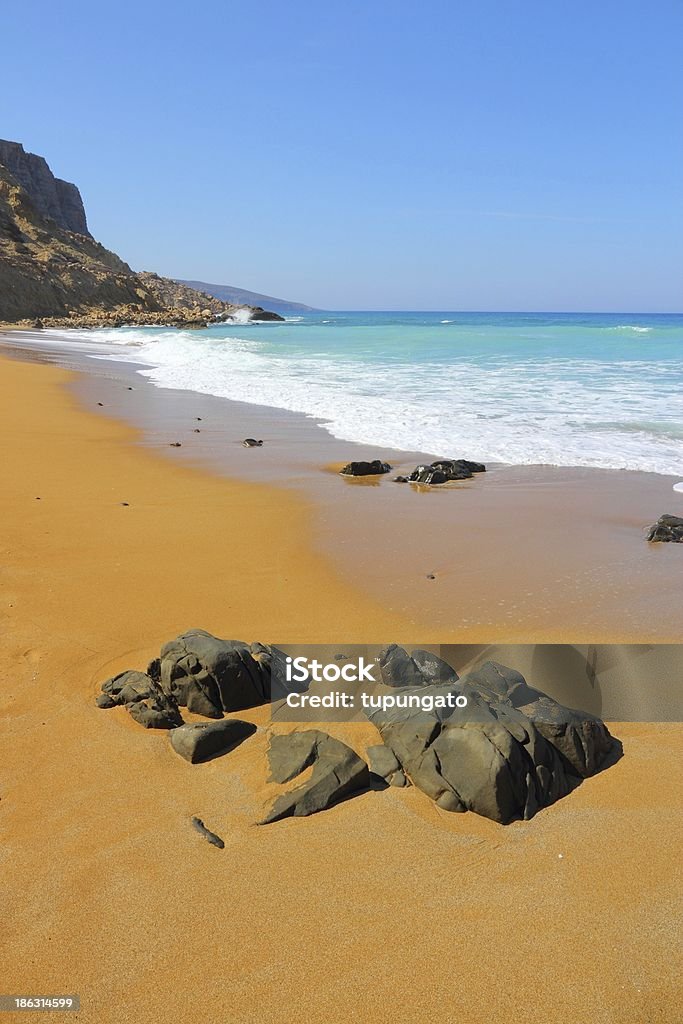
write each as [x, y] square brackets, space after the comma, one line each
[382, 909]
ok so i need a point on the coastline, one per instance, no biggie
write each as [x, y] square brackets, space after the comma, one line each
[102, 862]
[449, 560]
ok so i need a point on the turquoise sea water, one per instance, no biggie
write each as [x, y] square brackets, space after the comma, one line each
[562, 389]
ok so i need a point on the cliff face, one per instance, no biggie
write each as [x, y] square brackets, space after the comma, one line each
[53, 270]
[46, 270]
[59, 200]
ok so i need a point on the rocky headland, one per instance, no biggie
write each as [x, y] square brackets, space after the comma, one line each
[53, 273]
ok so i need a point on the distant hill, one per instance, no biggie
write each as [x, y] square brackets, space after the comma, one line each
[241, 297]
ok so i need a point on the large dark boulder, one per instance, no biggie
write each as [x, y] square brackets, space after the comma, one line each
[209, 676]
[202, 741]
[337, 772]
[667, 528]
[374, 468]
[511, 751]
[143, 697]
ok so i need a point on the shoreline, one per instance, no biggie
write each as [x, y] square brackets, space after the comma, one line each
[448, 559]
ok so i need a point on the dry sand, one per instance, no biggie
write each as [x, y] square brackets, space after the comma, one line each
[383, 908]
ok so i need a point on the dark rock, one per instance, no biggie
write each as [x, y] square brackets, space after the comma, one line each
[250, 442]
[204, 740]
[459, 465]
[398, 668]
[427, 475]
[209, 676]
[337, 772]
[444, 470]
[146, 701]
[374, 468]
[259, 313]
[667, 528]
[382, 761]
[175, 444]
[128, 687]
[105, 701]
[510, 752]
[211, 837]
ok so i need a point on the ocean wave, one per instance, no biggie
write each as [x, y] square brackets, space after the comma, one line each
[631, 327]
[506, 409]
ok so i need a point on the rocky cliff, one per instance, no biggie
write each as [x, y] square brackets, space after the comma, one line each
[53, 271]
[59, 200]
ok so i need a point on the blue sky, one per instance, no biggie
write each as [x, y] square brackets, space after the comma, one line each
[491, 154]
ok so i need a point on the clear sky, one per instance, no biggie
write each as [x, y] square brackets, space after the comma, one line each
[358, 154]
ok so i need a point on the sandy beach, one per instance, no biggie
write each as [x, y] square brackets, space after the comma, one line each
[382, 906]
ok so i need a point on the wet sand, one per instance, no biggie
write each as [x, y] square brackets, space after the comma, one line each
[382, 908]
[520, 554]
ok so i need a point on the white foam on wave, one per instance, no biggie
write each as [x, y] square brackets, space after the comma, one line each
[631, 327]
[563, 412]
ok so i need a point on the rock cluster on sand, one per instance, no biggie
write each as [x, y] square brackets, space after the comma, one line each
[374, 468]
[508, 752]
[442, 471]
[200, 672]
[667, 528]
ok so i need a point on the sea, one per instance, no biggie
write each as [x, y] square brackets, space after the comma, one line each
[562, 389]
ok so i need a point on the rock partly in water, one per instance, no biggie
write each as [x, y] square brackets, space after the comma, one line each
[251, 442]
[337, 772]
[202, 741]
[511, 751]
[444, 470]
[667, 528]
[143, 697]
[374, 468]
